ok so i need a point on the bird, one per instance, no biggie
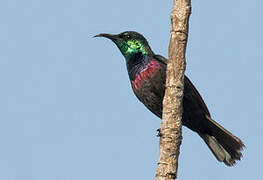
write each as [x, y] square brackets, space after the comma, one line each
[147, 74]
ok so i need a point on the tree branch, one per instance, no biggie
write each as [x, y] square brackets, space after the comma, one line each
[171, 126]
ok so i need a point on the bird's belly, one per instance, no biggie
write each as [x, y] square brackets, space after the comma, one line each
[151, 92]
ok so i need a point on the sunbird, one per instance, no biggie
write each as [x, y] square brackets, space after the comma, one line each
[147, 73]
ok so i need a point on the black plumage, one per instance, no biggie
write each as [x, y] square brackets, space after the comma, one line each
[147, 73]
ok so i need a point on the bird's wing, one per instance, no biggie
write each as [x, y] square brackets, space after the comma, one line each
[189, 87]
[160, 58]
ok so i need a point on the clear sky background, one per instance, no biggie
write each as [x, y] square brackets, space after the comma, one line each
[67, 111]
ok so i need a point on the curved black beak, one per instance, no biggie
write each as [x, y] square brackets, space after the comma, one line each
[109, 36]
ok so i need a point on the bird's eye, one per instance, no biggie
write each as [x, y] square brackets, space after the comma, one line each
[125, 36]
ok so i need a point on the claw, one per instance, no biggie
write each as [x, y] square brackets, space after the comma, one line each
[159, 133]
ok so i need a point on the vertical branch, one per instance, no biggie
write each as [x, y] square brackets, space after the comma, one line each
[171, 126]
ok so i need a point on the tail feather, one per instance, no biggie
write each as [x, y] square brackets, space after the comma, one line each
[225, 146]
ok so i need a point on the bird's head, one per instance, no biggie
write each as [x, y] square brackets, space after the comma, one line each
[130, 43]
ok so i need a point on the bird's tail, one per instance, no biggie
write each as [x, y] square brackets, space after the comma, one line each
[224, 145]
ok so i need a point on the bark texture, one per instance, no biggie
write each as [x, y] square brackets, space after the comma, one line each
[171, 126]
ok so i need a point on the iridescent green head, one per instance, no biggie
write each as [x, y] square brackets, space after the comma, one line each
[129, 43]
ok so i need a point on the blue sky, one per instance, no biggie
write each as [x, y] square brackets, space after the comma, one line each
[67, 108]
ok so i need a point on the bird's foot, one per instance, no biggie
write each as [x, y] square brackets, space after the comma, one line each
[159, 134]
